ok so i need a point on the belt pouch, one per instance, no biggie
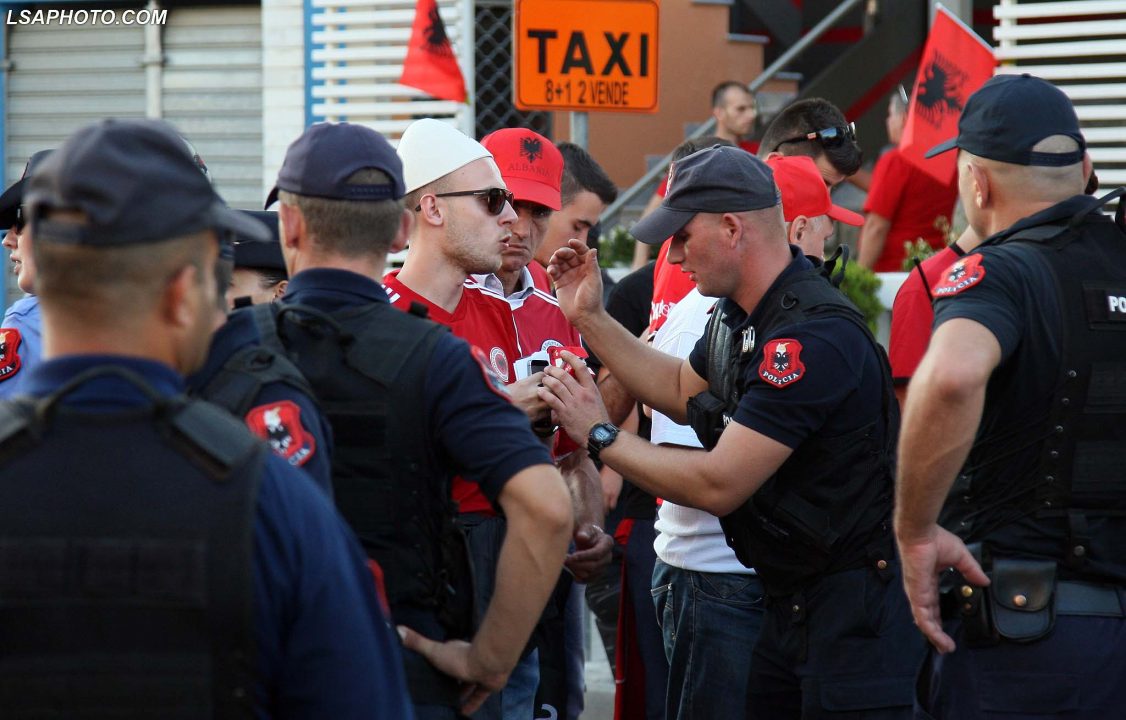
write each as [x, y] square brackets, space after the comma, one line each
[1021, 598]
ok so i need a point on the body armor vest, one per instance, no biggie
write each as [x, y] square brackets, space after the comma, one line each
[367, 365]
[1066, 466]
[126, 577]
[827, 508]
[236, 386]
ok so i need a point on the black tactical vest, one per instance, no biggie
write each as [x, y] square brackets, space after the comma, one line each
[237, 384]
[367, 366]
[1064, 473]
[828, 506]
[125, 559]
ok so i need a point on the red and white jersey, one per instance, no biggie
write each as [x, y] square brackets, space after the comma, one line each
[540, 323]
[482, 318]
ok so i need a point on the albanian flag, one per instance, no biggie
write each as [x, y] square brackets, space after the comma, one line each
[956, 62]
[431, 65]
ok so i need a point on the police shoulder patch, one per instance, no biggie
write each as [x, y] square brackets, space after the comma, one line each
[493, 380]
[781, 362]
[279, 424]
[964, 274]
[10, 340]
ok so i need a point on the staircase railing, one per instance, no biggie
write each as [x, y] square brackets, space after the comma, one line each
[631, 193]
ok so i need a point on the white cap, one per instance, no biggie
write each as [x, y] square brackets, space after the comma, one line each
[431, 149]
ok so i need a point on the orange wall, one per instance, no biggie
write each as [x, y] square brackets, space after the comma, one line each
[694, 56]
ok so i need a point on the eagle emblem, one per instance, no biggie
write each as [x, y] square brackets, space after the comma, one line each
[437, 41]
[941, 90]
[781, 363]
[279, 424]
[531, 148]
[962, 275]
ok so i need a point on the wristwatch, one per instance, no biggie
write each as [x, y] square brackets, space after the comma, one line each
[601, 436]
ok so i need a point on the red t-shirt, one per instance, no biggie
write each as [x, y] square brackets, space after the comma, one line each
[670, 285]
[912, 315]
[912, 201]
[482, 319]
[540, 324]
[540, 278]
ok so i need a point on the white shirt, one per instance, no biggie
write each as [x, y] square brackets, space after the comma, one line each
[687, 538]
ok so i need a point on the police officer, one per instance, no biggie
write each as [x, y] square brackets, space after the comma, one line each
[798, 414]
[410, 406]
[258, 385]
[20, 336]
[156, 560]
[259, 273]
[1016, 420]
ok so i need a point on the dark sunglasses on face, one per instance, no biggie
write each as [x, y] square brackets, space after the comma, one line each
[829, 137]
[21, 220]
[494, 198]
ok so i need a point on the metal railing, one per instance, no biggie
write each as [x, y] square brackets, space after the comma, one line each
[630, 194]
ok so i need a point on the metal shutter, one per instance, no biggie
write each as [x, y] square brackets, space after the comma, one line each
[65, 76]
[212, 92]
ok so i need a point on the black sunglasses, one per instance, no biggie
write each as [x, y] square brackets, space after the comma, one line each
[21, 220]
[494, 198]
[829, 137]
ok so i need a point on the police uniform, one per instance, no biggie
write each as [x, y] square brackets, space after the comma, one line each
[20, 344]
[265, 390]
[803, 370]
[154, 558]
[422, 409]
[1041, 490]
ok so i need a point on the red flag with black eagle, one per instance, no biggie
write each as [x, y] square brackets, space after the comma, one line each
[431, 65]
[955, 63]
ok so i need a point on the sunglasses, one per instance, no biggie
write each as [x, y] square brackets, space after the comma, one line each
[829, 137]
[21, 220]
[494, 198]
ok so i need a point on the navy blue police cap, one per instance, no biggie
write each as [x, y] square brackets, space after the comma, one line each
[135, 182]
[1008, 115]
[12, 198]
[719, 179]
[320, 161]
[261, 255]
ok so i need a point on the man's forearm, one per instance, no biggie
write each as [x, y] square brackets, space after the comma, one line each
[539, 528]
[873, 237]
[941, 418]
[585, 485]
[650, 376]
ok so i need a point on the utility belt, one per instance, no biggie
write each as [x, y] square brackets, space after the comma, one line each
[1023, 600]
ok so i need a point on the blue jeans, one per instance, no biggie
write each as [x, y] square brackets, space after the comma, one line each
[710, 623]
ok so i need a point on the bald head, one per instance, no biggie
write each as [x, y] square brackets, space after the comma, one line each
[1035, 183]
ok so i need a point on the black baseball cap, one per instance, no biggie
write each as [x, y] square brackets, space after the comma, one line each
[262, 255]
[1008, 115]
[12, 198]
[719, 179]
[319, 163]
[135, 182]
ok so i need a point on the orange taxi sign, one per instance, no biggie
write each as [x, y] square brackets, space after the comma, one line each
[586, 55]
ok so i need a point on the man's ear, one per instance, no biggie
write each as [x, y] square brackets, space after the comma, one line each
[733, 228]
[799, 225]
[981, 188]
[279, 289]
[175, 303]
[406, 224]
[431, 212]
[291, 226]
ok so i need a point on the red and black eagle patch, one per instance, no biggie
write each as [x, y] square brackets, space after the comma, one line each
[962, 275]
[781, 363]
[279, 424]
[492, 378]
[10, 340]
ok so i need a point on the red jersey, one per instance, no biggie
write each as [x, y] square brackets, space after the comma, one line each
[912, 315]
[540, 278]
[670, 285]
[484, 320]
[912, 201]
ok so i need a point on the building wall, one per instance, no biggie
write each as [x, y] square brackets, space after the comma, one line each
[283, 82]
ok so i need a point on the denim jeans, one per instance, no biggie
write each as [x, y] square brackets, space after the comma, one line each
[710, 623]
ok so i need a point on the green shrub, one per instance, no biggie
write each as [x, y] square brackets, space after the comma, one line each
[860, 285]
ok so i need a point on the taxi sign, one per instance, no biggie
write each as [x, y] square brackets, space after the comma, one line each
[585, 55]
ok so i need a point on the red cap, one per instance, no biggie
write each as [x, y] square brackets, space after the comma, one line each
[531, 165]
[804, 192]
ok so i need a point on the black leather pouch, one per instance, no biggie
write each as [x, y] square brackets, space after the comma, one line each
[1022, 597]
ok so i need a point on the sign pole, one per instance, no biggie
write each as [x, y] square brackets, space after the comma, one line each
[579, 129]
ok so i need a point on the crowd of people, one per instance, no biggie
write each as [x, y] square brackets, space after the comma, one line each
[244, 470]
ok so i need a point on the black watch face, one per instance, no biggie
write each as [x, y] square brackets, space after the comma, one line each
[602, 434]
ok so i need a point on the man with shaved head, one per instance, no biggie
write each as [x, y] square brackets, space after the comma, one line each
[1013, 444]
